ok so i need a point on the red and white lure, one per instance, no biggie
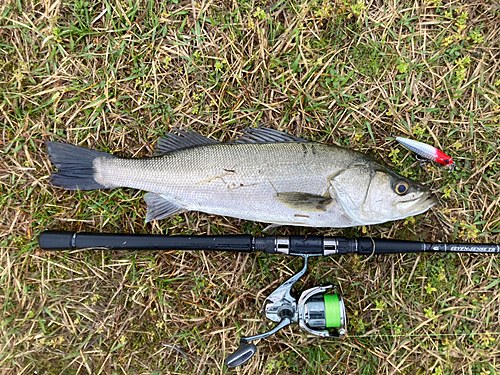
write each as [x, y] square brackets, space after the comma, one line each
[426, 151]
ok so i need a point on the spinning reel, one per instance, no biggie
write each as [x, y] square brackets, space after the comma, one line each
[316, 312]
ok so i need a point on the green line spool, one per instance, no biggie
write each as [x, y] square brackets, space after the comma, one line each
[332, 311]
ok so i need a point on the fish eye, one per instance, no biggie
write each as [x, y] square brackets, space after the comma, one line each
[401, 187]
[447, 161]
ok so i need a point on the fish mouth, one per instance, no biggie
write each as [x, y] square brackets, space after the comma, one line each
[417, 206]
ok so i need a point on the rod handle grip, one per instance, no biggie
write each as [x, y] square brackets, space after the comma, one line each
[53, 240]
[57, 240]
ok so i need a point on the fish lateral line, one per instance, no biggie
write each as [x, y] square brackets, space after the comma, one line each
[236, 187]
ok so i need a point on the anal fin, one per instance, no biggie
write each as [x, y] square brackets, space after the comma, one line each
[161, 206]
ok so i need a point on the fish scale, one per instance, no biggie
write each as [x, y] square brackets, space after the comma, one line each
[228, 179]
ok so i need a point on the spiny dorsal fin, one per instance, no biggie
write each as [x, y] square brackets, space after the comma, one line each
[265, 135]
[184, 138]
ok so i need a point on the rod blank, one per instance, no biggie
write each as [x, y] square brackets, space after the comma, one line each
[293, 245]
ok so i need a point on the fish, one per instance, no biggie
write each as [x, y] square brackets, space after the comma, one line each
[426, 151]
[264, 175]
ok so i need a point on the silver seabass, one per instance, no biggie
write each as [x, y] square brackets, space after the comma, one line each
[265, 175]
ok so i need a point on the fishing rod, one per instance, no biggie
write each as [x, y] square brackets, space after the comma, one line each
[289, 245]
[319, 311]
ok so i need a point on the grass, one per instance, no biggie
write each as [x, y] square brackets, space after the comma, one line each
[115, 75]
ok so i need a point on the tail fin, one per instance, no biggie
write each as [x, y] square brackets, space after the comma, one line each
[76, 166]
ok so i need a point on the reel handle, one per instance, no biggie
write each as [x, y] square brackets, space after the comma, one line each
[241, 355]
[246, 350]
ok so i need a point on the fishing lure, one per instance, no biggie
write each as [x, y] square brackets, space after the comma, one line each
[426, 151]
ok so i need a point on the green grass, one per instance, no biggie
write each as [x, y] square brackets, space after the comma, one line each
[116, 75]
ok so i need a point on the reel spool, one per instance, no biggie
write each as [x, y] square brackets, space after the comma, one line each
[322, 314]
[316, 312]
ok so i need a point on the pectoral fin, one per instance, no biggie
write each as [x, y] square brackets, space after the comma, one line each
[161, 206]
[303, 201]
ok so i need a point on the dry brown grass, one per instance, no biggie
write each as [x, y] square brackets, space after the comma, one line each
[116, 75]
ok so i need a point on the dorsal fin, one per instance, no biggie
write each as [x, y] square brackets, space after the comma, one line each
[265, 135]
[183, 139]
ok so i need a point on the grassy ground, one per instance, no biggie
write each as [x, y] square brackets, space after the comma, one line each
[114, 75]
